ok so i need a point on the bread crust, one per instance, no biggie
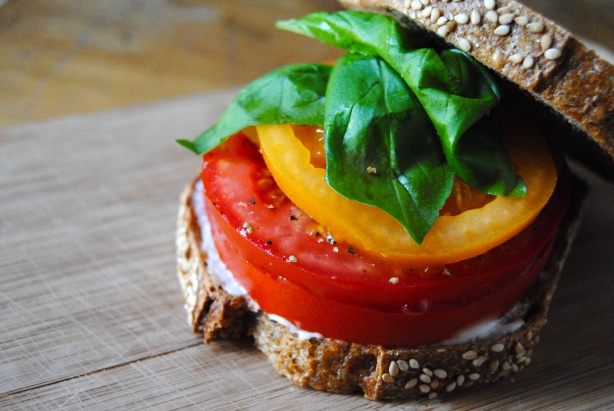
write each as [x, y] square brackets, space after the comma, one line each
[336, 366]
[577, 86]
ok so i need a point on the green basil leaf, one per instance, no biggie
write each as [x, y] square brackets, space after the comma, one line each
[454, 90]
[291, 94]
[459, 110]
[381, 149]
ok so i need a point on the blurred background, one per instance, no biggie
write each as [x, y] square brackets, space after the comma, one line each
[64, 57]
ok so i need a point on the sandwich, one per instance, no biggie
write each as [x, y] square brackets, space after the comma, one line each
[395, 223]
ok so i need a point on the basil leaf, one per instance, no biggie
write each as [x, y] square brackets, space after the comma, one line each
[454, 90]
[459, 111]
[291, 94]
[381, 149]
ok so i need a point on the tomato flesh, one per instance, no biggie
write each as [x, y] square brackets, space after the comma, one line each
[292, 268]
[451, 238]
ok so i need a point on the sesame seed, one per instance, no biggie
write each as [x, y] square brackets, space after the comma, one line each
[371, 170]
[535, 27]
[529, 335]
[425, 2]
[434, 384]
[442, 31]
[492, 16]
[527, 361]
[242, 204]
[425, 378]
[474, 376]
[451, 386]
[439, 373]
[479, 361]
[497, 59]
[414, 364]
[516, 58]
[424, 388]
[506, 366]
[411, 383]
[506, 18]
[427, 11]
[270, 206]
[515, 368]
[393, 369]
[441, 21]
[461, 18]
[464, 45]
[494, 365]
[433, 394]
[416, 5]
[387, 378]
[504, 10]
[528, 62]
[403, 366]
[460, 380]
[394, 280]
[519, 348]
[475, 17]
[435, 14]
[470, 355]
[552, 54]
[545, 42]
[521, 20]
[489, 4]
[497, 347]
[427, 372]
[292, 259]
[502, 30]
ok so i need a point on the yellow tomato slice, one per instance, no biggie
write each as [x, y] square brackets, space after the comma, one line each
[452, 238]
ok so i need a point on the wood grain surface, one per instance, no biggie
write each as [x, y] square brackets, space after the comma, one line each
[91, 311]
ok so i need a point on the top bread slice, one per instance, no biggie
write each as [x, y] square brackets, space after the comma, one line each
[541, 58]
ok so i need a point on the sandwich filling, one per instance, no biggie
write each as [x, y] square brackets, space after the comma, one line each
[295, 268]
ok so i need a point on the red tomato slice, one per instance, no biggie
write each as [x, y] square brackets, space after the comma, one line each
[273, 235]
[358, 324]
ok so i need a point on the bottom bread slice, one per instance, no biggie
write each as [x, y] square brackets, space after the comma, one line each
[378, 372]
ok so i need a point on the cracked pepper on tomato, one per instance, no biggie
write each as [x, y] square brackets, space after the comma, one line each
[384, 200]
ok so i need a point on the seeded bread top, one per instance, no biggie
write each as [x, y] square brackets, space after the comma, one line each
[525, 48]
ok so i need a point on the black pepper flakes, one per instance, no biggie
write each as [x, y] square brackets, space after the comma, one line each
[252, 201]
[351, 250]
[293, 217]
[269, 242]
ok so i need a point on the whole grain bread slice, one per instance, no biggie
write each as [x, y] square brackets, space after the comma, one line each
[544, 62]
[337, 366]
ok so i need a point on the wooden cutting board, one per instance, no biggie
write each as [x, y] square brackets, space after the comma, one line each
[91, 312]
